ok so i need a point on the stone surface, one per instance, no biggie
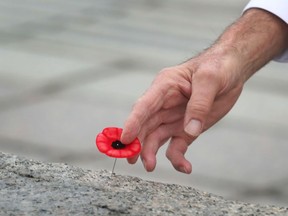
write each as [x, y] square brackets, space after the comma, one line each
[34, 188]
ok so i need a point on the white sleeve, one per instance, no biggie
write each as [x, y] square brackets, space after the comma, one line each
[278, 8]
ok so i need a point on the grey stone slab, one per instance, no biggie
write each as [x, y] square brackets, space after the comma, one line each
[99, 35]
[31, 68]
[8, 88]
[128, 44]
[271, 78]
[33, 12]
[269, 108]
[239, 156]
[57, 122]
[126, 35]
[127, 86]
[35, 188]
[42, 9]
[66, 50]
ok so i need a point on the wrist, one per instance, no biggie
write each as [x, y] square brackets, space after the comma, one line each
[256, 38]
[244, 47]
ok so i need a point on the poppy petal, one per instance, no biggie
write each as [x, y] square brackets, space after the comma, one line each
[108, 142]
[101, 141]
[114, 153]
[127, 154]
[135, 147]
[120, 153]
[112, 133]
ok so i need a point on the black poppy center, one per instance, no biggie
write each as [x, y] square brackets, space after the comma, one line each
[117, 145]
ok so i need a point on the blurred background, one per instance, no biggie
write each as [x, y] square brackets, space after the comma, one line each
[70, 68]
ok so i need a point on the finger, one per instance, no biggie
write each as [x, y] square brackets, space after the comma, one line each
[175, 153]
[176, 96]
[145, 107]
[154, 141]
[204, 90]
[164, 116]
[133, 160]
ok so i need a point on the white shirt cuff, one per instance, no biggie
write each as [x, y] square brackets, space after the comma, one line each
[278, 8]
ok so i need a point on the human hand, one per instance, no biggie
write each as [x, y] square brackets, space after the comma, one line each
[182, 102]
[187, 99]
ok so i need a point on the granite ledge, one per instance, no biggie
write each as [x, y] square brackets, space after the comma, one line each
[31, 187]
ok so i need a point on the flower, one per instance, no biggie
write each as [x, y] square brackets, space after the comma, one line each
[108, 142]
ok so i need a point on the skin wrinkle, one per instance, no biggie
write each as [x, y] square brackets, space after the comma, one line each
[173, 98]
[182, 83]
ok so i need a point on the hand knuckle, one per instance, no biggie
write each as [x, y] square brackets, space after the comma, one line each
[200, 107]
[208, 74]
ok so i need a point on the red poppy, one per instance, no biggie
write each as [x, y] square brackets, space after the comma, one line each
[108, 142]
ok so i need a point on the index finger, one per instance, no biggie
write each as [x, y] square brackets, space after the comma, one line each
[144, 108]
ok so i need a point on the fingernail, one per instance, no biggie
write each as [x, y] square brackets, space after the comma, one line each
[194, 127]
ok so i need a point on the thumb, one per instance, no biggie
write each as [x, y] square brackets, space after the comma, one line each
[204, 91]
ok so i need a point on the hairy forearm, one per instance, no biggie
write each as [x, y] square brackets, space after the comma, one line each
[255, 39]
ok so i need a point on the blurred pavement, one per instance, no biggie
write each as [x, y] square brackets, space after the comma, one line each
[71, 68]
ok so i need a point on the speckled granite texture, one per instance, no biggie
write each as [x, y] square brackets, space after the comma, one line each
[34, 188]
